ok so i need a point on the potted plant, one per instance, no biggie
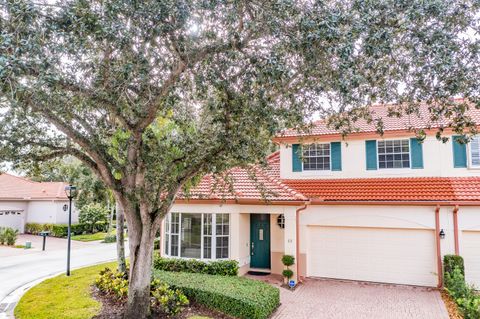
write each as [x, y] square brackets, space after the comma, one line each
[287, 260]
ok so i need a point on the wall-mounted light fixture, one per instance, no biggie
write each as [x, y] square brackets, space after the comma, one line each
[441, 234]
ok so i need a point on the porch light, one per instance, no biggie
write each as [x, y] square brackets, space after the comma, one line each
[441, 234]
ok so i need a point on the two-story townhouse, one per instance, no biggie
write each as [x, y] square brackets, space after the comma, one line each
[365, 207]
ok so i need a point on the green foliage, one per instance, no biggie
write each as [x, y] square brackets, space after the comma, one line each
[115, 284]
[56, 230]
[8, 236]
[464, 295]
[94, 216]
[217, 267]
[110, 238]
[235, 296]
[168, 300]
[287, 273]
[450, 262]
[36, 228]
[288, 260]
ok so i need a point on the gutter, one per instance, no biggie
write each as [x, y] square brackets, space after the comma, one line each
[439, 252]
[455, 230]
[402, 203]
[297, 238]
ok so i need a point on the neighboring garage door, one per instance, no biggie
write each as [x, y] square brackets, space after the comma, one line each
[12, 218]
[402, 256]
[470, 250]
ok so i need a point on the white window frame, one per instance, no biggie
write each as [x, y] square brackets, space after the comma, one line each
[395, 168]
[470, 151]
[329, 158]
[167, 249]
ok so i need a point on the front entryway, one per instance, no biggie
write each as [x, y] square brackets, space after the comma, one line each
[260, 241]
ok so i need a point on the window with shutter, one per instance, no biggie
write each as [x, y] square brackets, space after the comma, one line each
[475, 152]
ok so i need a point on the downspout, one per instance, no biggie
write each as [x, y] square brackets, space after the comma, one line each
[439, 252]
[297, 238]
[455, 229]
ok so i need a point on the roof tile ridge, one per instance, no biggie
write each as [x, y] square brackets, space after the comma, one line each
[276, 181]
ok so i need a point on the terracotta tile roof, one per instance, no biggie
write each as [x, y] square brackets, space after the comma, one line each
[253, 183]
[390, 189]
[405, 122]
[14, 187]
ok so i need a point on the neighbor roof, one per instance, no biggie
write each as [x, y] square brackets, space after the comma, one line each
[403, 123]
[19, 188]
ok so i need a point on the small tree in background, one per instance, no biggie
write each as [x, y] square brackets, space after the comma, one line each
[92, 214]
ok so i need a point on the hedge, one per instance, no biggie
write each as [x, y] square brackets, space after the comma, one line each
[218, 267]
[58, 230]
[235, 296]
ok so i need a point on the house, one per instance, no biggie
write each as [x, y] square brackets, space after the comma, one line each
[365, 207]
[24, 201]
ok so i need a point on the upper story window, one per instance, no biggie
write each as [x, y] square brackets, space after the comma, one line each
[394, 154]
[475, 152]
[316, 157]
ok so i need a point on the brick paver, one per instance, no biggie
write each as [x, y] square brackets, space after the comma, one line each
[322, 298]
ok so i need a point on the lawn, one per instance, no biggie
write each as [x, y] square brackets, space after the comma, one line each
[62, 297]
[92, 237]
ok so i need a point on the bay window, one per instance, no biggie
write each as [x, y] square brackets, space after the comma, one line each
[197, 235]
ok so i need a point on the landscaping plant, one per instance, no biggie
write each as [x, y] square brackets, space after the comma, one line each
[8, 236]
[153, 95]
[466, 297]
[288, 261]
[94, 216]
[217, 267]
[115, 284]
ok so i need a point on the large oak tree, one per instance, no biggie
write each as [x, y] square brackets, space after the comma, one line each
[152, 95]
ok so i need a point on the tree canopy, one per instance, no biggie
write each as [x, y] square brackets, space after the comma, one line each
[152, 95]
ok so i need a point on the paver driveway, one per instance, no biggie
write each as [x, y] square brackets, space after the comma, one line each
[322, 298]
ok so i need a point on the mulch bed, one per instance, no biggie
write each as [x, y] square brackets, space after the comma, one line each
[114, 309]
[452, 308]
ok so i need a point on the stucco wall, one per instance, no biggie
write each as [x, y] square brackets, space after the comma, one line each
[14, 221]
[437, 160]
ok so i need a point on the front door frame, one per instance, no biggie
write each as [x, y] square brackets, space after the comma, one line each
[260, 249]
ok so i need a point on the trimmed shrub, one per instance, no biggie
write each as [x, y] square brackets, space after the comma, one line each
[56, 230]
[450, 262]
[288, 260]
[218, 267]
[110, 239]
[235, 296]
[36, 228]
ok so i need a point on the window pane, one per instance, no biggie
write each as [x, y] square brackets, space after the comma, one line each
[222, 247]
[191, 235]
[475, 152]
[207, 247]
[393, 154]
[316, 157]
[174, 247]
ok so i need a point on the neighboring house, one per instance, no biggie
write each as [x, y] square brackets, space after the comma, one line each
[24, 201]
[367, 207]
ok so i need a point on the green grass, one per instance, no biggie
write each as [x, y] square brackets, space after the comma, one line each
[62, 297]
[92, 237]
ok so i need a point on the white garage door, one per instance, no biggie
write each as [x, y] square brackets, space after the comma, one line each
[470, 250]
[12, 219]
[401, 256]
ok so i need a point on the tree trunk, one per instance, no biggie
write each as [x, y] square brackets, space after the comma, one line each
[122, 266]
[110, 218]
[141, 239]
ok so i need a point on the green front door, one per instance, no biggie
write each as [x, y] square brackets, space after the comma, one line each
[260, 241]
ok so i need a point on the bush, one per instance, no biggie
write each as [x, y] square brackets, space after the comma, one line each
[94, 216]
[235, 296]
[288, 260]
[287, 273]
[219, 267]
[115, 284]
[8, 236]
[109, 238]
[450, 262]
[464, 295]
[36, 228]
[56, 230]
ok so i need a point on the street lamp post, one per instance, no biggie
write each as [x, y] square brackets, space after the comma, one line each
[71, 191]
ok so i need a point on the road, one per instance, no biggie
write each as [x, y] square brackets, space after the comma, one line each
[19, 270]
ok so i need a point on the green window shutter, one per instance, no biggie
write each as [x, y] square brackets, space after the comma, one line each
[336, 156]
[459, 152]
[296, 158]
[371, 151]
[416, 153]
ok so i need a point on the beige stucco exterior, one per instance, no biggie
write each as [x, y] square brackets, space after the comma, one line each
[394, 217]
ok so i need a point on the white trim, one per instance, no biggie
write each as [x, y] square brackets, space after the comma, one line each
[393, 169]
[329, 158]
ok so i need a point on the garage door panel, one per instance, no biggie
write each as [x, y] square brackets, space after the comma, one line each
[372, 254]
[470, 250]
